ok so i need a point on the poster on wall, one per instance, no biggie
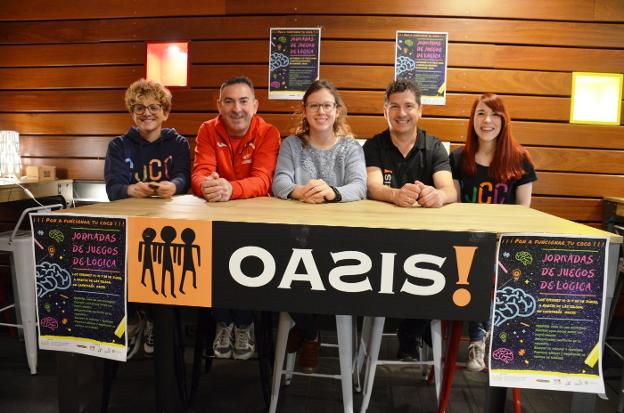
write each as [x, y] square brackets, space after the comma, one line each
[548, 312]
[80, 267]
[422, 57]
[294, 59]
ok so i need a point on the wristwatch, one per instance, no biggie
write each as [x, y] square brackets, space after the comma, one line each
[338, 197]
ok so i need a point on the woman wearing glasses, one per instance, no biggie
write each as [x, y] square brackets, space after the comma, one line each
[148, 160]
[320, 163]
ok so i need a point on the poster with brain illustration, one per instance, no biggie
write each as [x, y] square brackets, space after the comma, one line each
[422, 57]
[546, 327]
[80, 270]
[294, 59]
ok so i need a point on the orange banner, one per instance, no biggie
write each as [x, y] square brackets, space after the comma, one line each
[170, 261]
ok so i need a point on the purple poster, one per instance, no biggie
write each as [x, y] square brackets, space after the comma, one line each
[422, 57]
[80, 269]
[548, 312]
[293, 61]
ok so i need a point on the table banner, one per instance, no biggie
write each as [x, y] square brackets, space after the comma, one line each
[80, 266]
[422, 57]
[294, 59]
[169, 261]
[548, 313]
[359, 271]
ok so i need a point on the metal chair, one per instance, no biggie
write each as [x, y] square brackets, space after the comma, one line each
[368, 352]
[344, 327]
[20, 244]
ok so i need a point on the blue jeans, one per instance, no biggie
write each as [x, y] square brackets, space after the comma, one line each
[240, 318]
[476, 330]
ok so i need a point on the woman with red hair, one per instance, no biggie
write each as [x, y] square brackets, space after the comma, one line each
[491, 168]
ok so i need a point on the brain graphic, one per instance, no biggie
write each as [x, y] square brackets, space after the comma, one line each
[279, 60]
[503, 354]
[56, 235]
[51, 277]
[49, 323]
[524, 257]
[511, 303]
[404, 64]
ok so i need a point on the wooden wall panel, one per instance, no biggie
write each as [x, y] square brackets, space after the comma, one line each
[584, 210]
[580, 185]
[66, 68]
[520, 32]
[581, 10]
[529, 9]
[578, 160]
[98, 54]
[62, 10]
[70, 77]
[50, 146]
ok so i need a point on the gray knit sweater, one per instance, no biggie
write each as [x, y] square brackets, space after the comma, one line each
[341, 166]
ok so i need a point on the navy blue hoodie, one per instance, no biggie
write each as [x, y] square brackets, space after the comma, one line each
[131, 159]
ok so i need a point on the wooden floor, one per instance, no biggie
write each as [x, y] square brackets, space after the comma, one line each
[233, 386]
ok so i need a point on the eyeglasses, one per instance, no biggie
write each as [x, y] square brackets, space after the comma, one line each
[327, 106]
[140, 109]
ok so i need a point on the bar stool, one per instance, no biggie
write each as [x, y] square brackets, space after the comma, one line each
[344, 328]
[20, 244]
[291, 357]
[372, 331]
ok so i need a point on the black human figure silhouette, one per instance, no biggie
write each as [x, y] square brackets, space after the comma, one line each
[147, 254]
[166, 258]
[188, 264]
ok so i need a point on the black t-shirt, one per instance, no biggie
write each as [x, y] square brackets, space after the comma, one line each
[427, 157]
[481, 189]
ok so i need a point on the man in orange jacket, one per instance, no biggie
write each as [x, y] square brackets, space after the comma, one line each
[235, 156]
[235, 152]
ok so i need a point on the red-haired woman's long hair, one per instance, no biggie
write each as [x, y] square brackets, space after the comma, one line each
[509, 155]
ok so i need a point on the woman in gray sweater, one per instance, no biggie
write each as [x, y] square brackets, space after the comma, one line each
[321, 162]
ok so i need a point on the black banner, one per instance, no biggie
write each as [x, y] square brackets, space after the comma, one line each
[359, 271]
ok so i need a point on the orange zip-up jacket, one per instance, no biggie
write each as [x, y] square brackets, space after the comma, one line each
[249, 169]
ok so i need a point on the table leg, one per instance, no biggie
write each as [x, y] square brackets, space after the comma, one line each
[82, 392]
[168, 394]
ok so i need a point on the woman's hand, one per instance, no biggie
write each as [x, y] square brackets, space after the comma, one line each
[316, 191]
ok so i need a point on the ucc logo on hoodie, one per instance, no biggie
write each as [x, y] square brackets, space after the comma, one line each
[155, 170]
